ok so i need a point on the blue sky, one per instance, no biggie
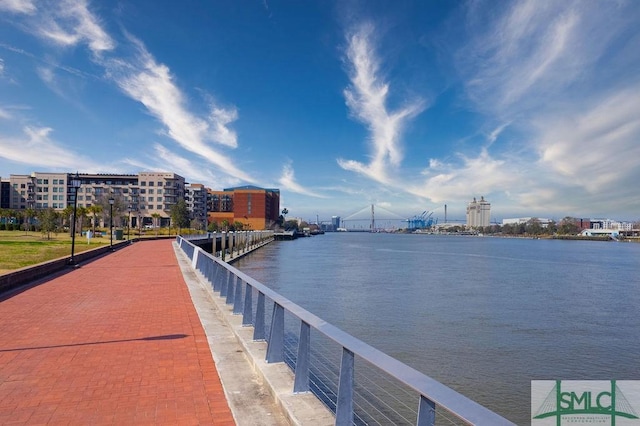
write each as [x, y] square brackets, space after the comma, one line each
[410, 105]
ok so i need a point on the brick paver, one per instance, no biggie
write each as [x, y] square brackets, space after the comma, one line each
[117, 341]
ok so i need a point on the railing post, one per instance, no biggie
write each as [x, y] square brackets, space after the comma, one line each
[258, 329]
[225, 284]
[217, 277]
[301, 383]
[344, 405]
[275, 344]
[237, 300]
[426, 412]
[230, 289]
[207, 271]
[247, 312]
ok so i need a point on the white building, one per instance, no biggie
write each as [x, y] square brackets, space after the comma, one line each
[196, 199]
[478, 213]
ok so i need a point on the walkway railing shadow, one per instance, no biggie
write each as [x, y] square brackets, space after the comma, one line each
[150, 338]
[323, 358]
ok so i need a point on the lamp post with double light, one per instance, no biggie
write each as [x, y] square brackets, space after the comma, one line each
[75, 184]
[111, 201]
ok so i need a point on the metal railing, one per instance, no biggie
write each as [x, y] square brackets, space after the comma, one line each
[323, 358]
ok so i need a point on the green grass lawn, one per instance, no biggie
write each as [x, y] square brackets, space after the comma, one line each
[19, 249]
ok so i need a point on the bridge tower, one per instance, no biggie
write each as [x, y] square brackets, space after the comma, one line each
[373, 220]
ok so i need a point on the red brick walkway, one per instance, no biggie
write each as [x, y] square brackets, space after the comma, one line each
[116, 342]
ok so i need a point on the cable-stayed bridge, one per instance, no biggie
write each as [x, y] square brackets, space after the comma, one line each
[365, 219]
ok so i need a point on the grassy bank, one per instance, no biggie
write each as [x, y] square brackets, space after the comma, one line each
[19, 249]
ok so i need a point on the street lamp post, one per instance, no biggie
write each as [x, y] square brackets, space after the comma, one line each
[129, 224]
[111, 200]
[75, 184]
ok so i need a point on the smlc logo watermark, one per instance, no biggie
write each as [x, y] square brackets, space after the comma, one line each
[585, 402]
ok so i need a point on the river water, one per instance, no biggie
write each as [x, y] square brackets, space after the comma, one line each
[482, 315]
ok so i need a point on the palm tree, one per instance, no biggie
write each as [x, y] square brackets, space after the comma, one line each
[29, 213]
[81, 214]
[94, 209]
[156, 221]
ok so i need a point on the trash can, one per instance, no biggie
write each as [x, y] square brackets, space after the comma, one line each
[119, 234]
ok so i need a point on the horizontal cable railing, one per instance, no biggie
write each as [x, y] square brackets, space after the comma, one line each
[358, 383]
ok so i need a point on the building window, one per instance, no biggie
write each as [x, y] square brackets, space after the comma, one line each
[158, 198]
[61, 182]
[151, 191]
[159, 191]
[143, 191]
[39, 181]
[143, 183]
[150, 207]
[46, 181]
[159, 206]
[150, 183]
[159, 183]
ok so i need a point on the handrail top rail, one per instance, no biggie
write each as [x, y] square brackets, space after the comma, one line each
[458, 404]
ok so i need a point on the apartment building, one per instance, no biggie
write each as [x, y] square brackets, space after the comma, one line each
[38, 191]
[196, 198]
[256, 208]
[142, 196]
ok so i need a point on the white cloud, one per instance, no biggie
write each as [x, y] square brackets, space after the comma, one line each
[151, 84]
[596, 148]
[69, 22]
[288, 181]
[554, 72]
[35, 147]
[461, 181]
[367, 98]
[18, 6]
[221, 133]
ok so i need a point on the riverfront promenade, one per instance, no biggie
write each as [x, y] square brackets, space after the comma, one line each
[116, 341]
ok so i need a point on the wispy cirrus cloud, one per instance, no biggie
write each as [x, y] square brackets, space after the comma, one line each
[70, 22]
[547, 71]
[151, 83]
[138, 75]
[35, 146]
[288, 181]
[596, 147]
[367, 99]
[18, 6]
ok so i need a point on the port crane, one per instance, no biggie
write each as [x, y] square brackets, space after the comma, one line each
[422, 221]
